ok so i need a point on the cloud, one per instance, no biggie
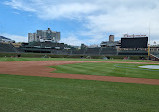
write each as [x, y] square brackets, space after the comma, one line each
[72, 40]
[52, 10]
[133, 17]
[99, 16]
[17, 38]
[20, 5]
[17, 13]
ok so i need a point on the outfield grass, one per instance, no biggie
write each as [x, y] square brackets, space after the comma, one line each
[39, 94]
[67, 59]
[108, 69]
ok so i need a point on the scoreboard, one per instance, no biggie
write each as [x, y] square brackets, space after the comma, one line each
[137, 42]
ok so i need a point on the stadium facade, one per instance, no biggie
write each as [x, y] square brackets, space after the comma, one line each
[110, 47]
[47, 41]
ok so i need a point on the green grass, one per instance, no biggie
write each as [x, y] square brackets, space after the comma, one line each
[50, 59]
[66, 59]
[47, 59]
[39, 94]
[108, 69]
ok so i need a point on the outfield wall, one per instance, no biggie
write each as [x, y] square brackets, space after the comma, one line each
[46, 55]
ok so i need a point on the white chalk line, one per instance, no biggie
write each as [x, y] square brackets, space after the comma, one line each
[15, 90]
[19, 90]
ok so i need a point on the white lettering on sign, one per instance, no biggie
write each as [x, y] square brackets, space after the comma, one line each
[126, 35]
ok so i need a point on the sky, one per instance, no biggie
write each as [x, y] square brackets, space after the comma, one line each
[80, 21]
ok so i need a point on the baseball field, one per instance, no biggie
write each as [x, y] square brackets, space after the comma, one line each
[77, 85]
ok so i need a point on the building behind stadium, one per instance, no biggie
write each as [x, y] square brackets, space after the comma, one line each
[44, 35]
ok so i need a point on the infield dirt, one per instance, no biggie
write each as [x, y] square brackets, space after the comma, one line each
[40, 68]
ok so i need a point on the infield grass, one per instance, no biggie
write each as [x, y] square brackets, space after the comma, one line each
[108, 69]
[40, 94]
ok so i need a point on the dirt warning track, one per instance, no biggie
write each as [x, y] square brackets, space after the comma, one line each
[40, 68]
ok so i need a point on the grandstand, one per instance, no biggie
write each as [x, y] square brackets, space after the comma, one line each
[64, 49]
[7, 47]
[46, 45]
[79, 52]
[43, 45]
[109, 48]
[36, 50]
[108, 51]
[93, 51]
[132, 52]
[155, 55]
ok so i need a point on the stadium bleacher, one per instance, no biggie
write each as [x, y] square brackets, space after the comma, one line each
[7, 47]
[92, 51]
[78, 52]
[64, 49]
[132, 52]
[44, 45]
[108, 51]
[155, 54]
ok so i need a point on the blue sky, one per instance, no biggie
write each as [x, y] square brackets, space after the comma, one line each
[79, 21]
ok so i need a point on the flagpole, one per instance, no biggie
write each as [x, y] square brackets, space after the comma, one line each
[149, 44]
